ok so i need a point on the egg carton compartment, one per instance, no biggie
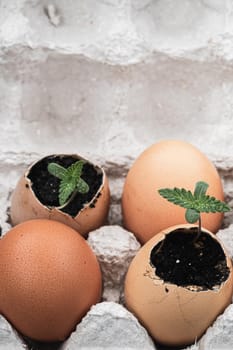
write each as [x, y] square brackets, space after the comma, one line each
[106, 79]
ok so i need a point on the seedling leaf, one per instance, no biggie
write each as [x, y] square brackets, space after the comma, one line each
[75, 169]
[82, 186]
[191, 216]
[65, 190]
[178, 196]
[195, 203]
[200, 189]
[57, 170]
[200, 202]
[71, 181]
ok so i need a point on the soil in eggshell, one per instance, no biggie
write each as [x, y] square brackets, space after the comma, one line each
[46, 186]
[184, 260]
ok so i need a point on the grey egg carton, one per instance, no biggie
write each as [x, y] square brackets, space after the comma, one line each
[106, 79]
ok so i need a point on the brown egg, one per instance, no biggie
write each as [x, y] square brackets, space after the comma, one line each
[26, 204]
[166, 164]
[173, 315]
[49, 279]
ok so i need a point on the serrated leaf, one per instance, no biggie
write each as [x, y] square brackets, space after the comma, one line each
[71, 180]
[82, 186]
[75, 170]
[57, 170]
[192, 216]
[213, 205]
[65, 190]
[178, 196]
[200, 202]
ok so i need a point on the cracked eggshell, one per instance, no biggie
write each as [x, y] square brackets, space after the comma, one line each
[26, 206]
[174, 316]
[49, 279]
[168, 163]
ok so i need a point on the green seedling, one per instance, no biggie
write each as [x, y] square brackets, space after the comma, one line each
[71, 181]
[194, 203]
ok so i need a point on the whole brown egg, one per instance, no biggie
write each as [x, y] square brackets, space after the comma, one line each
[166, 164]
[49, 279]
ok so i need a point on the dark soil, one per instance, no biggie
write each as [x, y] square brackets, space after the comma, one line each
[46, 186]
[180, 259]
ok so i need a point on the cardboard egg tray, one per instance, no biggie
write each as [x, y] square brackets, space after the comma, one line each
[106, 79]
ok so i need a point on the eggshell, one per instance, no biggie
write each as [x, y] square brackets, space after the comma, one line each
[175, 316]
[49, 279]
[166, 164]
[25, 206]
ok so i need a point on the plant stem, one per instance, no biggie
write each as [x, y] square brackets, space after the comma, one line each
[199, 229]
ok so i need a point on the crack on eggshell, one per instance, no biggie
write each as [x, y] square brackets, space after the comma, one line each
[181, 310]
[188, 301]
[153, 301]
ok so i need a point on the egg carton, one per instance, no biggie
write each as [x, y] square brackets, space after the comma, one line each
[106, 79]
[109, 324]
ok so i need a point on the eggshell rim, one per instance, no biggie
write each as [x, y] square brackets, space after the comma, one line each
[58, 209]
[159, 281]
